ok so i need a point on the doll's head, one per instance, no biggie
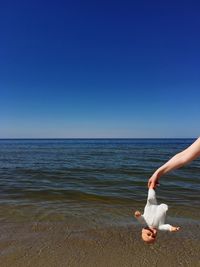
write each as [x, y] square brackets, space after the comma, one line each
[149, 235]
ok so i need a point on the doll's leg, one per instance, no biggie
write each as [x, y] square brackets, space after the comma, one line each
[151, 197]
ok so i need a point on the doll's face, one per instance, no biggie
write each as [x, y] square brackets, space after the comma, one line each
[149, 234]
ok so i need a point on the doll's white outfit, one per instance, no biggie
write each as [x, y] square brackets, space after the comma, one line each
[154, 214]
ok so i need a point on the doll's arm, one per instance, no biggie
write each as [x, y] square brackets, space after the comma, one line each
[140, 217]
[168, 227]
[151, 199]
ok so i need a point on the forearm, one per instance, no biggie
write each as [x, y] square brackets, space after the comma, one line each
[174, 163]
[180, 159]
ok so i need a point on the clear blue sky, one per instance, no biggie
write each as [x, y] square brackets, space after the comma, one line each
[99, 69]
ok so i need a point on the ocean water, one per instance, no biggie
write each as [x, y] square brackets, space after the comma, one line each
[92, 179]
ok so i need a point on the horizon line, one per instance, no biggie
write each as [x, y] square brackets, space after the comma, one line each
[65, 138]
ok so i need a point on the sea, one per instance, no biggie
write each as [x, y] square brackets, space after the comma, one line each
[92, 181]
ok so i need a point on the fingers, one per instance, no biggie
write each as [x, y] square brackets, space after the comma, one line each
[153, 184]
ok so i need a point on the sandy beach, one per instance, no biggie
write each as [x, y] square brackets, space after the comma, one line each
[59, 244]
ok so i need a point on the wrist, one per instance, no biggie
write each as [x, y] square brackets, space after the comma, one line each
[157, 175]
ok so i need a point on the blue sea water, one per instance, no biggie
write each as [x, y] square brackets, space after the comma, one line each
[59, 178]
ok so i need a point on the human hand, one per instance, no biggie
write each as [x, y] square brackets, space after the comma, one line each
[153, 182]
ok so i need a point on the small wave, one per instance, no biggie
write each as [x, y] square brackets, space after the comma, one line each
[64, 195]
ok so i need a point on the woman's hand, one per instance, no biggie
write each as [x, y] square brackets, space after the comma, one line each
[153, 181]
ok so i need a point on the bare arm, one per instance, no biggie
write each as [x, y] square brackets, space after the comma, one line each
[180, 159]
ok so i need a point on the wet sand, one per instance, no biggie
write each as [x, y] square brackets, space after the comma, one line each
[60, 244]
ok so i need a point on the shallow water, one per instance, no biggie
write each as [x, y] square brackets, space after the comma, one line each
[92, 179]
